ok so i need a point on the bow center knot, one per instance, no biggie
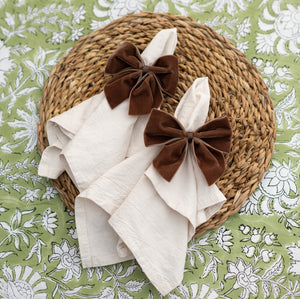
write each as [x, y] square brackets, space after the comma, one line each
[190, 136]
[145, 69]
[131, 79]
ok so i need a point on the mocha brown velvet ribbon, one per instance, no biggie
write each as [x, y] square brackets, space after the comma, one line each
[208, 143]
[144, 85]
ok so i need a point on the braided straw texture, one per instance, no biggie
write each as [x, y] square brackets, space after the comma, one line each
[237, 90]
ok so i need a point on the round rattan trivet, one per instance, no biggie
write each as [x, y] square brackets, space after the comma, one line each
[237, 90]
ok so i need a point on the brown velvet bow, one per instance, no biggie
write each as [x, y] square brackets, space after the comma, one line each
[142, 84]
[208, 142]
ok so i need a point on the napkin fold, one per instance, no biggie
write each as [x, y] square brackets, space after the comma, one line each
[153, 217]
[92, 137]
[158, 217]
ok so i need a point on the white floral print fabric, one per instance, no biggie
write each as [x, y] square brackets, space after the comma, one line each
[254, 254]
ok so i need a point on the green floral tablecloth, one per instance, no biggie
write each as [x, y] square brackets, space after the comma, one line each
[255, 254]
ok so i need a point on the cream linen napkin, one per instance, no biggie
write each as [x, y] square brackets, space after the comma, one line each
[90, 138]
[156, 233]
[158, 218]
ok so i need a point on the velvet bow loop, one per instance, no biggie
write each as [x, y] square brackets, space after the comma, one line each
[144, 85]
[208, 144]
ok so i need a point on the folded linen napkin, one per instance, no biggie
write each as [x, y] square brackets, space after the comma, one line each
[95, 135]
[153, 217]
[158, 217]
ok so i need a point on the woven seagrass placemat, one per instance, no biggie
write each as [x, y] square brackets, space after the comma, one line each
[237, 90]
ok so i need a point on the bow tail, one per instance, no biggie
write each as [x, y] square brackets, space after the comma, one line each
[210, 161]
[166, 71]
[170, 158]
[118, 88]
[145, 95]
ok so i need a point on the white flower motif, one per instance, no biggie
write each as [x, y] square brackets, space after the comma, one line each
[48, 220]
[280, 87]
[282, 178]
[285, 27]
[161, 6]
[57, 37]
[122, 7]
[275, 192]
[269, 68]
[266, 255]
[284, 72]
[231, 8]
[6, 64]
[248, 250]
[243, 47]
[294, 252]
[251, 204]
[69, 260]
[223, 238]
[78, 15]
[10, 19]
[97, 24]
[76, 33]
[73, 233]
[245, 229]
[40, 67]
[31, 195]
[244, 28]
[111, 11]
[29, 123]
[19, 165]
[50, 193]
[270, 238]
[258, 62]
[182, 5]
[255, 235]
[265, 43]
[245, 277]
[286, 110]
[21, 283]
